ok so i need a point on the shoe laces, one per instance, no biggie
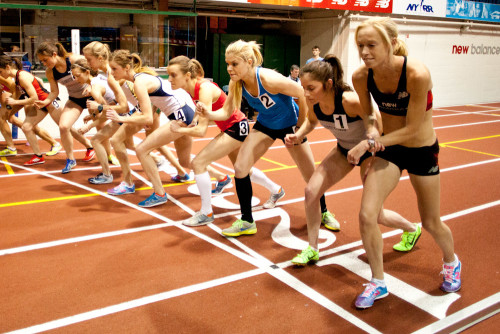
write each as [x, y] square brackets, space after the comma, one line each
[238, 223]
[307, 253]
[370, 288]
[448, 273]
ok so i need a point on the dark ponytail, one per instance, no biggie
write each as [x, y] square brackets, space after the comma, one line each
[12, 61]
[328, 68]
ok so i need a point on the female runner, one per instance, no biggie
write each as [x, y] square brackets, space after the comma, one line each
[332, 103]
[401, 87]
[97, 55]
[271, 94]
[8, 114]
[107, 94]
[58, 63]
[188, 74]
[150, 89]
[29, 87]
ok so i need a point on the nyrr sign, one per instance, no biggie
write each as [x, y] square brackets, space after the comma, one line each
[435, 8]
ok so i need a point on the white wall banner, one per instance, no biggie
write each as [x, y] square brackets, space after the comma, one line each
[434, 8]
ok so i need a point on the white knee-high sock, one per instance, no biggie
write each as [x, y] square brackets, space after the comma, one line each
[205, 187]
[259, 177]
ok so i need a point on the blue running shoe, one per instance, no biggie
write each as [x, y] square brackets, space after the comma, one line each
[69, 165]
[179, 178]
[220, 186]
[153, 200]
[370, 295]
[451, 279]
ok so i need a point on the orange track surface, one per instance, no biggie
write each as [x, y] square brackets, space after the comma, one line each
[75, 260]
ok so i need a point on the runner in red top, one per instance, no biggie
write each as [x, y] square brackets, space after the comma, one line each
[28, 91]
[188, 74]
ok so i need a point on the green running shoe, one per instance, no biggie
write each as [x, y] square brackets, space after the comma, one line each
[306, 256]
[240, 227]
[328, 219]
[408, 240]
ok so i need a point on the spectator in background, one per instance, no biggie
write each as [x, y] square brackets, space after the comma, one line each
[25, 61]
[316, 51]
[294, 73]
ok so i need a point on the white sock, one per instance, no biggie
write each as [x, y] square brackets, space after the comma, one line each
[205, 188]
[454, 263]
[259, 177]
[378, 282]
[11, 148]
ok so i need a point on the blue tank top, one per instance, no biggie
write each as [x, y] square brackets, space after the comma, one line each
[394, 104]
[75, 89]
[276, 111]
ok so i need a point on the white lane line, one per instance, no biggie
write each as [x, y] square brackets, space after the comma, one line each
[135, 303]
[293, 278]
[468, 124]
[464, 313]
[264, 265]
[230, 213]
[259, 262]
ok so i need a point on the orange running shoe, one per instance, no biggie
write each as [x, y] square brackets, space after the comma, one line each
[89, 155]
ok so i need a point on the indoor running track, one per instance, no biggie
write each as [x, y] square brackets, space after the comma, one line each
[76, 260]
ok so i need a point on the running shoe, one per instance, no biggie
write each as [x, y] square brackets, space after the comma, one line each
[153, 200]
[179, 178]
[35, 160]
[199, 219]
[113, 160]
[101, 179]
[306, 256]
[408, 240]
[54, 150]
[69, 165]
[328, 219]
[220, 186]
[370, 295]
[160, 162]
[8, 152]
[271, 202]
[89, 155]
[451, 279]
[122, 189]
[240, 227]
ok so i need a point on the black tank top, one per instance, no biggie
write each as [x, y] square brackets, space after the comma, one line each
[393, 104]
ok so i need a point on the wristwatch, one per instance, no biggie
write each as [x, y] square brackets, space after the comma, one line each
[100, 108]
[371, 143]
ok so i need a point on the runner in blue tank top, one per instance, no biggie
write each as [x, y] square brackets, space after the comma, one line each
[270, 93]
[58, 63]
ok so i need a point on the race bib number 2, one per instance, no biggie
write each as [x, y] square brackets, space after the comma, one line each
[266, 101]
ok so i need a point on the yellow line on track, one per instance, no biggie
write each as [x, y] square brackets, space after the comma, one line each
[7, 166]
[46, 200]
[63, 198]
[472, 139]
[274, 162]
[473, 151]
